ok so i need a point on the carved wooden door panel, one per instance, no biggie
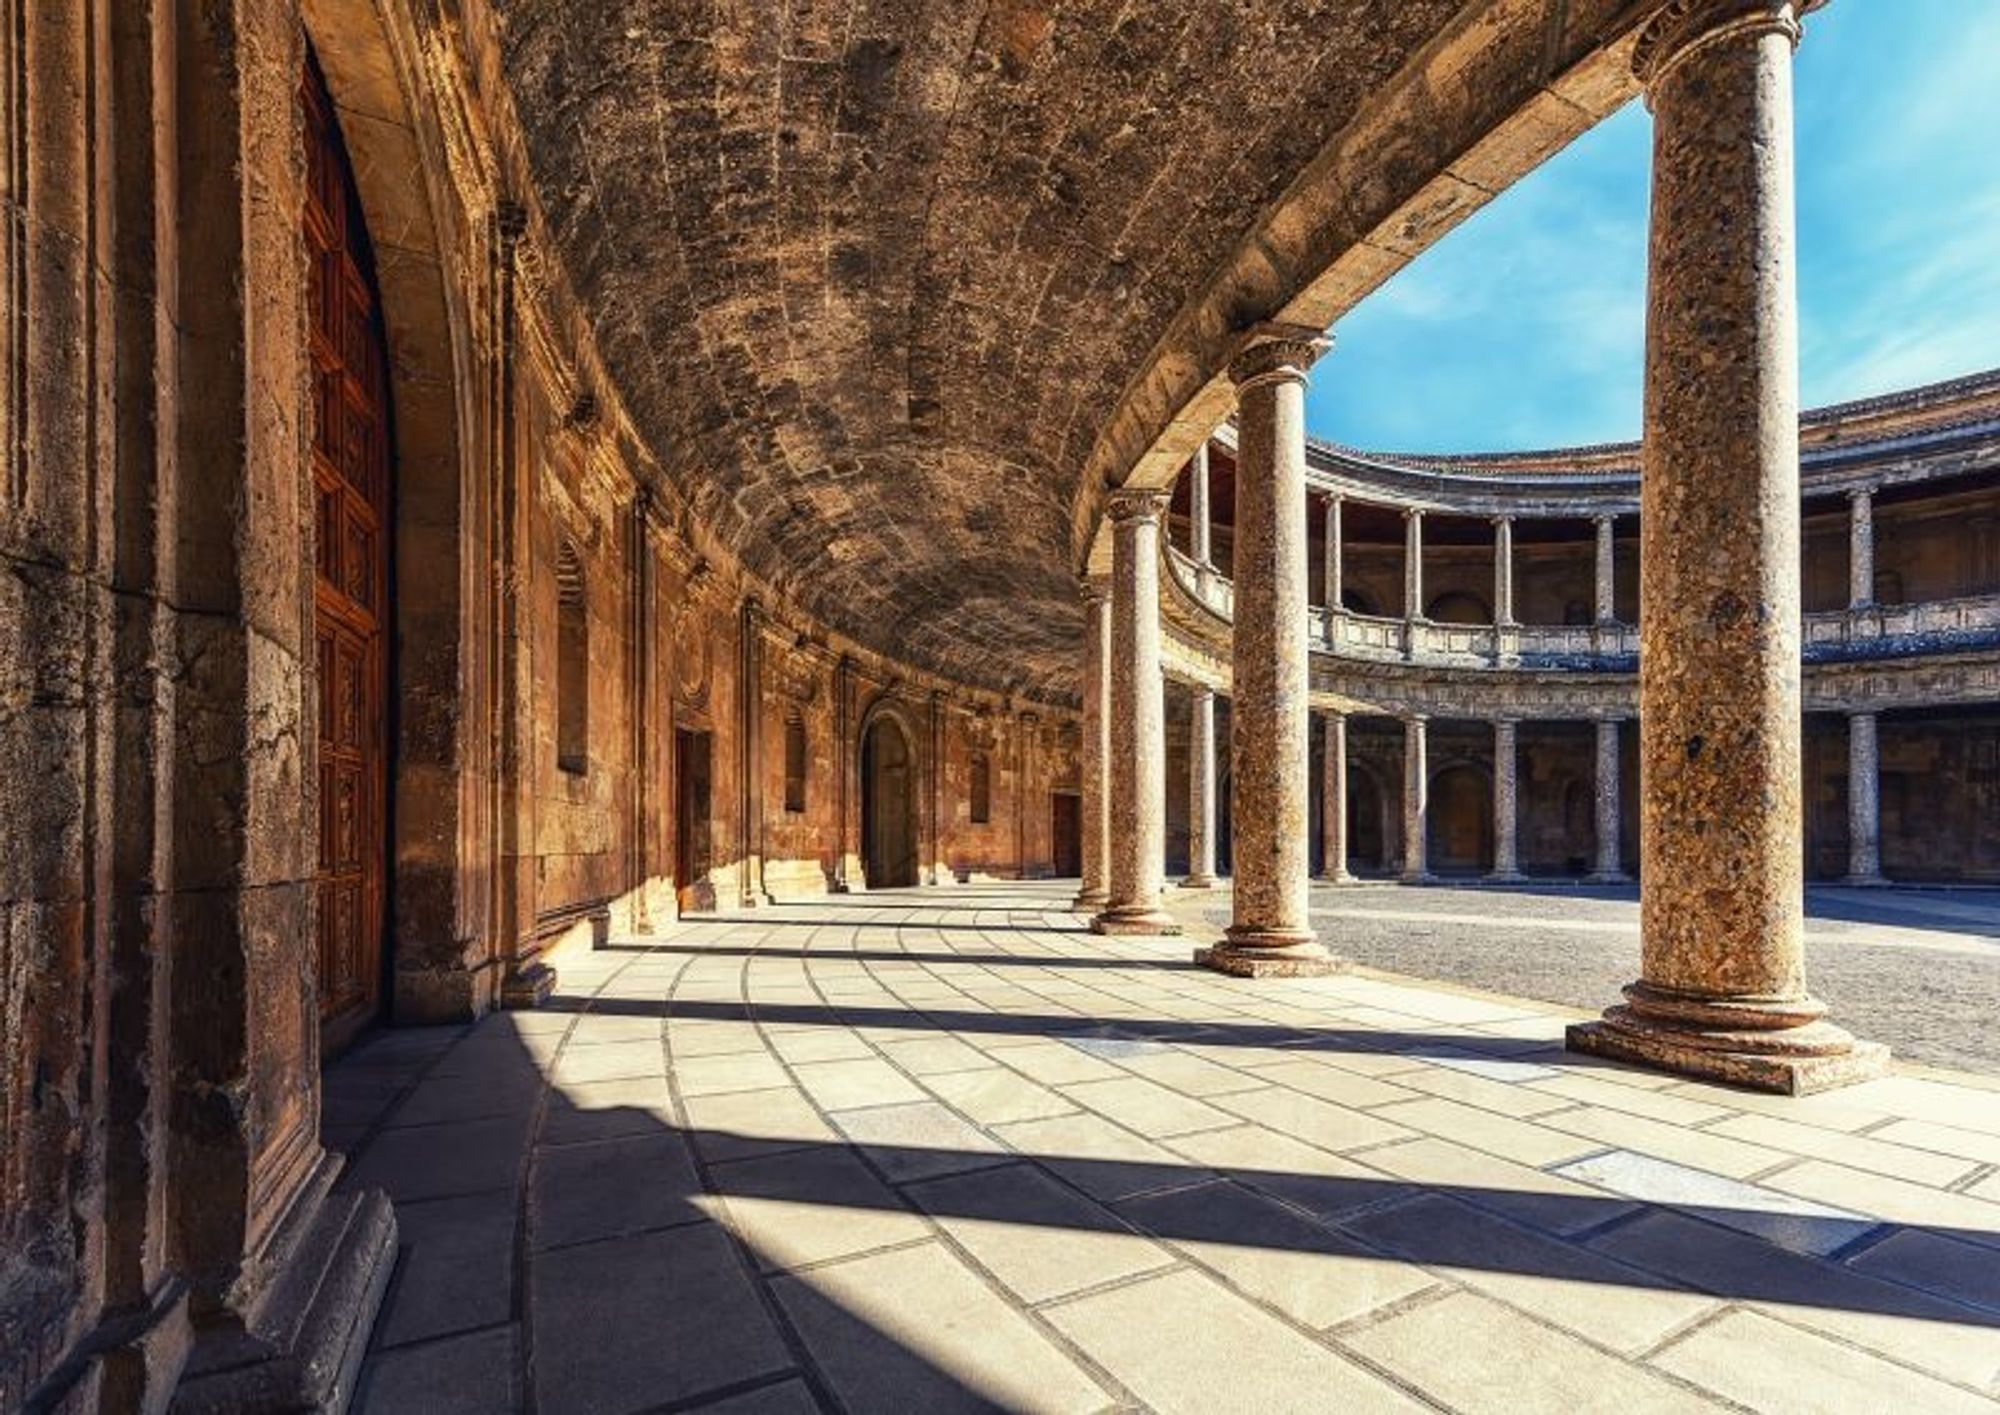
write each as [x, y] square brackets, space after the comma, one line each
[351, 526]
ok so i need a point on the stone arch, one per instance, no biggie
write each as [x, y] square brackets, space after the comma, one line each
[439, 755]
[891, 767]
[1459, 607]
[1356, 601]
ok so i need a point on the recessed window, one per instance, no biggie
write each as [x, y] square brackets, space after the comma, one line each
[982, 789]
[572, 663]
[795, 762]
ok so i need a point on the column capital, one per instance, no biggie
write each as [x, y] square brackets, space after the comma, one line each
[1271, 352]
[1684, 27]
[1864, 492]
[1129, 504]
[1502, 518]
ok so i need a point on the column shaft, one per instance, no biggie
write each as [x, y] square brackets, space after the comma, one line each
[1861, 549]
[1138, 747]
[1198, 511]
[1094, 892]
[1270, 932]
[1413, 566]
[1864, 801]
[1201, 789]
[1416, 800]
[1503, 571]
[1607, 571]
[1333, 800]
[1609, 803]
[1506, 800]
[1336, 569]
[1723, 990]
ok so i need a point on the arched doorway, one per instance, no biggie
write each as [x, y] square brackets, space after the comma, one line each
[352, 533]
[888, 805]
[1460, 837]
[1367, 839]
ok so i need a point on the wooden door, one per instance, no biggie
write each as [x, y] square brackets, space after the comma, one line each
[350, 611]
[1066, 833]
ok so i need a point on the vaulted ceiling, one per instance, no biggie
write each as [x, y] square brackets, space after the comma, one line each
[894, 288]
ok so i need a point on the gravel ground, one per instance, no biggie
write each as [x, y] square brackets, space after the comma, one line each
[1918, 969]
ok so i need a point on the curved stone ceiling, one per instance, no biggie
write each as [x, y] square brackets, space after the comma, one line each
[872, 276]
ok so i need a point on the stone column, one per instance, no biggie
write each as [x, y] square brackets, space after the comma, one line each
[1506, 800]
[1333, 801]
[1270, 933]
[1610, 808]
[1416, 799]
[1861, 548]
[1722, 993]
[1201, 789]
[1137, 829]
[1607, 571]
[1503, 572]
[1335, 560]
[1094, 892]
[1198, 513]
[1864, 801]
[1413, 567]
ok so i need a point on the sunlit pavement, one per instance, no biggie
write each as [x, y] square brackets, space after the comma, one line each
[939, 1150]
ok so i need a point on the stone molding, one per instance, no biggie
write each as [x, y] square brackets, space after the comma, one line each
[1686, 27]
[1271, 352]
[1132, 504]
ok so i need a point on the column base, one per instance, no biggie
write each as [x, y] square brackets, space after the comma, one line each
[1198, 882]
[528, 988]
[1425, 878]
[1607, 877]
[1270, 953]
[1150, 922]
[1782, 1046]
[1338, 877]
[1864, 881]
[302, 1349]
[1089, 901]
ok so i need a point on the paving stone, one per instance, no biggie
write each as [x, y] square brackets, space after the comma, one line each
[1191, 1075]
[609, 1062]
[1893, 1199]
[1544, 1200]
[1147, 1109]
[1855, 1151]
[1098, 1157]
[1789, 1222]
[917, 1141]
[914, 1329]
[996, 1096]
[472, 1374]
[1941, 1139]
[848, 1085]
[718, 1075]
[1268, 1251]
[455, 1270]
[687, 1039]
[603, 1110]
[1697, 1149]
[810, 1205]
[631, 1323]
[1613, 1305]
[1178, 1342]
[1332, 1083]
[1054, 1064]
[637, 1182]
[821, 1045]
[1038, 1237]
[1964, 1272]
[1447, 1349]
[1288, 1169]
[434, 1161]
[741, 1124]
[1765, 1365]
[1653, 1105]
[791, 1397]
[933, 1056]
[1515, 1140]
[1317, 1122]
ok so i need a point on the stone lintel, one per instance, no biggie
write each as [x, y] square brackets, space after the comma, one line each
[1757, 1071]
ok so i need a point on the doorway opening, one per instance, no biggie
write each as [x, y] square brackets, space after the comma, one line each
[1066, 834]
[888, 806]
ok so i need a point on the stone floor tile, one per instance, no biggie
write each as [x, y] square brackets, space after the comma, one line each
[470, 1374]
[1191, 1075]
[1181, 1342]
[1037, 1236]
[1333, 1083]
[602, 1110]
[704, 1038]
[810, 1205]
[1613, 1305]
[441, 1100]
[1271, 1253]
[1098, 1157]
[1054, 1064]
[1304, 1176]
[915, 1329]
[1697, 1149]
[740, 1124]
[1147, 1109]
[1500, 1135]
[632, 1323]
[825, 1044]
[1855, 1151]
[1964, 1272]
[848, 1085]
[455, 1268]
[435, 1161]
[1923, 1098]
[626, 1185]
[1894, 1199]
[598, 1028]
[1941, 1139]
[1911, 1326]
[1546, 1201]
[996, 1096]
[1475, 1355]
[1317, 1122]
[1653, 1105]
[1801, 1225]
[1500, 1097]
[610, 1062]
[1766, 1365]
[1830, 1111]
[917, 1141]
[718, 1075]
[933, 1056]
[788, 1397]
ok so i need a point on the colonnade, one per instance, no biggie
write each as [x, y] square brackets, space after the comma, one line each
[1722, 990]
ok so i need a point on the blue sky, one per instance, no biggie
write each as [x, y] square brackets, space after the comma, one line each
[1524, 327]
